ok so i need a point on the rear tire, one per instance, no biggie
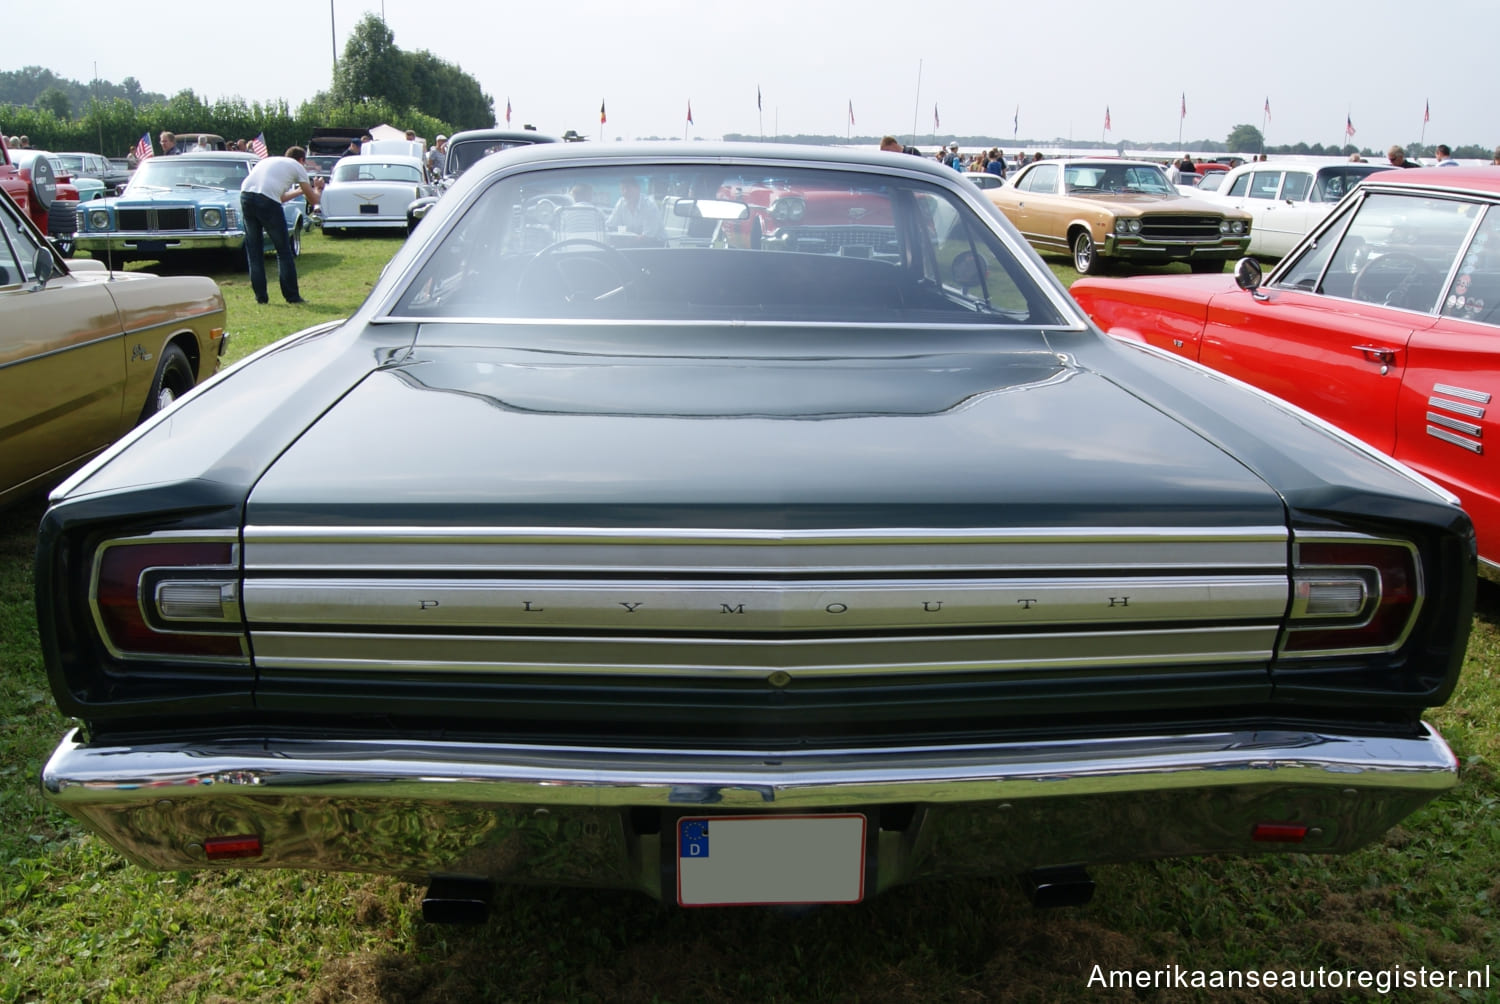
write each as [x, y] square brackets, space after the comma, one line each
[174, 378]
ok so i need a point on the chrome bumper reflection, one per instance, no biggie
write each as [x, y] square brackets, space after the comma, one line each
[570, 816]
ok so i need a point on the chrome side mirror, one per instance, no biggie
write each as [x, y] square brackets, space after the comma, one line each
[44, 268]
[1248, 276]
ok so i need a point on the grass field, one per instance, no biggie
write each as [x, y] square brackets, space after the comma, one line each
[79, 924]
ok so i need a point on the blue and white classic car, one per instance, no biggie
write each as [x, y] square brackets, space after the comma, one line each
[785, 568]
[175, 205]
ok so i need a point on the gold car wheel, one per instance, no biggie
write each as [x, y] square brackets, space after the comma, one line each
[174, 378]
[1085, 256]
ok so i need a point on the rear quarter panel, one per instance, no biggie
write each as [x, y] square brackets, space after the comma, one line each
[1168, 312]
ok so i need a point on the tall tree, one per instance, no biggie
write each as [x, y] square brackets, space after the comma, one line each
[56, 101]
[1245, 139]
[373, 68]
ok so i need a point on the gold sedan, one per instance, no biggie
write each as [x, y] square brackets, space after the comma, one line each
[85, 354]
[1100, 211]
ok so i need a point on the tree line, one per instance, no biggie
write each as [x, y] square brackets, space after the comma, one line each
[375, 82]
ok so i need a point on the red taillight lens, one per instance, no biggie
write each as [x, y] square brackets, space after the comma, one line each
[157, 597]
[1352, 595]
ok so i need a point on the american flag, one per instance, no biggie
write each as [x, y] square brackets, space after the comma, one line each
[602, 118]
[937, 123]
[1106, 118]
[690, 111]
[1268, 107]
[258, 146]
[1348, 126]
[1184, 105]
[143, 150]
[507, 111]
[851, 111]
[1427, 112]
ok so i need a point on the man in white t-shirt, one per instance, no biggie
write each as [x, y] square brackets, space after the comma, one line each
[270, 183]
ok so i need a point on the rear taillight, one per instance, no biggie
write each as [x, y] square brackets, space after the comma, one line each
[171, 596]
[1352, 595]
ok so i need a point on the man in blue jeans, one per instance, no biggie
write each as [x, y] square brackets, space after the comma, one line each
[270, 183]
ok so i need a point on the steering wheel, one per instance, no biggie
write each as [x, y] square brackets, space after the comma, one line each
[1391, 278]
[567, 276]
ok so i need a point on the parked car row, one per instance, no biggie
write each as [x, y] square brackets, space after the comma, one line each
[1384, 320]
[188, 203]
[791, 537]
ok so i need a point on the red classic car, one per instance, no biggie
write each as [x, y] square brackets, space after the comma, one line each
[854, 223]
[1384, 321]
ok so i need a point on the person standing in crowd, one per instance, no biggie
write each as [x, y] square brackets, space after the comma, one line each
[953, 159]
[270, 183]
[1397, 156]
[168, 141]
[437, 157]
[996, 164]
[1445, 156]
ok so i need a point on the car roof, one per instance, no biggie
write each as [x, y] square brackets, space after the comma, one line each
[1483, 180]
[490, 135]
[382, 158]
[725, 154]
[208, 155]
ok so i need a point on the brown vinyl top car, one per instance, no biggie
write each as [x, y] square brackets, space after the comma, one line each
[86, 353]
[1100, 211]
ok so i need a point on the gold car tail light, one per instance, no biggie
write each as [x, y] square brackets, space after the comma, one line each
[169, 596]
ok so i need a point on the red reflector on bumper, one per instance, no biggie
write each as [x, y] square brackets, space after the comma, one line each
[226, 848]
[1279, 833]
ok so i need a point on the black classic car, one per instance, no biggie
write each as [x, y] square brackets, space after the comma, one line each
[465, 150]
[739, 573]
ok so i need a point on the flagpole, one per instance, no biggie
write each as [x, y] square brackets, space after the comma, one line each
[916, 108]
[1426, 109]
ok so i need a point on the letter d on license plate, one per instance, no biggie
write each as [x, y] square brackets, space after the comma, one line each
[749, 860]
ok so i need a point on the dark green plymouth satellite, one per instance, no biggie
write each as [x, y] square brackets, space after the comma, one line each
[739, 524]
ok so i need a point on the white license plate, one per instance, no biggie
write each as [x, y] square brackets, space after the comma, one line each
[762, 860]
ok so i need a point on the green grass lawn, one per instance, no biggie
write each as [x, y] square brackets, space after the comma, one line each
[77, 923]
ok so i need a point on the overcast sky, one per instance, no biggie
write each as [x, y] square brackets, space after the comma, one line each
[1057, 66]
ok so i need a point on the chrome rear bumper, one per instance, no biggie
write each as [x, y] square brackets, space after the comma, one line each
[596, 816]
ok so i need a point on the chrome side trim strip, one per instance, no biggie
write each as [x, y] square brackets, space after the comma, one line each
[402, 770]
[755, 658]
[910, 551]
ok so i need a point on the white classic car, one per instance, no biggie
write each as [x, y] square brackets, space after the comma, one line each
[372, 191]
[1288, 197]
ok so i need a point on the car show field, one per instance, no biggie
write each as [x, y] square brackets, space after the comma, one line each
[78, 921]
